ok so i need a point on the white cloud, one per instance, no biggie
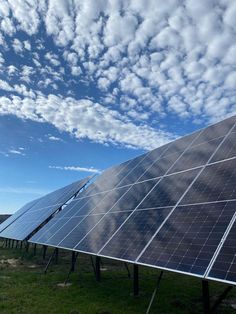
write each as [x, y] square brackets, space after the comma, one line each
[16, 152]
[76, 168]
[5, 86]
[76, 70]
[146, 58]
[54, 138]
[52, 58]
[17, 46]
[85, 119]
[27, 45]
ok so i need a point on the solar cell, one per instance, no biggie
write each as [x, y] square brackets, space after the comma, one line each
[111, 198]
[134, 234]
[224, 267]
[95, 239]
[189, 238]
[169, 190]
[48, 230]
[63, 229]
[215, 131]
[138, 171]
[227, 149]
[178, 146]
[160, 167]
[75, 234]
[196, 156]
[134, 196]
[111, 177]
[216, 182]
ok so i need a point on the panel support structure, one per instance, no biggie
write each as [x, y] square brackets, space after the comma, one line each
[206, 297]
[155, 291]
[221, 298]
[44, 251]
[127, 268]
[35, 249]
[56, 255]
[98, 268]
[73, 260]
[72, 268]
[136, 280]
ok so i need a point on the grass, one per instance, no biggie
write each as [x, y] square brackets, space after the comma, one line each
[24, 288]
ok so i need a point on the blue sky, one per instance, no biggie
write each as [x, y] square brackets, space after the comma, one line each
[88, 84]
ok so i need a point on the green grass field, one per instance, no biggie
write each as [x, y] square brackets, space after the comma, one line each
[24, 288]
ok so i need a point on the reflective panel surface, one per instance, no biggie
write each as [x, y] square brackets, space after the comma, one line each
[135, 233]
[95, 240]
[169, 190]
[189, 238]
[216, 182]
[224, 267]
[40, 211]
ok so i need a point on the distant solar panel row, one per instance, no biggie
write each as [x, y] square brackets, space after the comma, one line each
[19, 213]
[21, 224]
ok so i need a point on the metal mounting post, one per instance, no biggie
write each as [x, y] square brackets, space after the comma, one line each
[127, 268]
[136, 280]
[73, 261]
[221, 298]
[27, 247]
[35, 249]
[56, 255]
[92, 262]
[49, 261]
[155, 291]
[98, 268]
[44, 251]
[206, 297]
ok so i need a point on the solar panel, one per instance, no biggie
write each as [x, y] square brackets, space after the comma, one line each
[169, 208]
[168, 190]
[189, 238]
[132, 237]
[215, 183]
[227, 149]
[16, 215]
[216, 130]
[29, 220]
[98, 236]
[224, 267]
[196, 156]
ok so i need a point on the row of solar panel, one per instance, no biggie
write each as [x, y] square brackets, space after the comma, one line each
[122, 216]
[187, 153]
[186, 242]
[216, 182]
[103, 223]
[20, 225]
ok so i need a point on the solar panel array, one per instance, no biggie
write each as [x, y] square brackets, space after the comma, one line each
[27, 219]
[16, 215]
[172, 208]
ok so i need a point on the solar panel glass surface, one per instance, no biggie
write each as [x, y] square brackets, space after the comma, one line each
[25, 224]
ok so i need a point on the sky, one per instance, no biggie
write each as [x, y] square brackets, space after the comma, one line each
[87, 84]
